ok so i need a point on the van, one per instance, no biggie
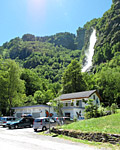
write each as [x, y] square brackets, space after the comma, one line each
[42, 123]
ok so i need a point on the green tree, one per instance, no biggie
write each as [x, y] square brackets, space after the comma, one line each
[91, 110]
[39, 97]
[32, 81]
[15, 84]
[11, 86]
[72, 78]
[108, 83]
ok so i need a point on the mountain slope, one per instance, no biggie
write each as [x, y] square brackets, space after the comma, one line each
[108, 35]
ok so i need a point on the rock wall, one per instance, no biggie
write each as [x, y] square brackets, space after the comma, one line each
[97, 137]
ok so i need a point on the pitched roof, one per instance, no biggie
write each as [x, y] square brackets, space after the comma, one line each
[84, 94]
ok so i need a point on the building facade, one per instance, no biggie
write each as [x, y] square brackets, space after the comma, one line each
[73, 106]
[35, 111]
[74, 103]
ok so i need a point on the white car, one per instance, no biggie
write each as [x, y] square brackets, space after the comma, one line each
[42, 123]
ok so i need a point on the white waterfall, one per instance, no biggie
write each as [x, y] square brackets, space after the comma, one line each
[89, 54]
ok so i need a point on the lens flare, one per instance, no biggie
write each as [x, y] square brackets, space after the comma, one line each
[36, 9]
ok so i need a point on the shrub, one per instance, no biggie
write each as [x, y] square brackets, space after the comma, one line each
[91, 110]
[101, 111]
[114, 108]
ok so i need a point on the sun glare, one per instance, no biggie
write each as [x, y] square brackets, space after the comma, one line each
[36, 9]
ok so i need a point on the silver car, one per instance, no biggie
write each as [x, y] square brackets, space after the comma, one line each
[42, 123]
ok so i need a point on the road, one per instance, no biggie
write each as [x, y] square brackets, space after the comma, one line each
[27, 139]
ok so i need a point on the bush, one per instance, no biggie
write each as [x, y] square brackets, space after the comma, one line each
[101, 111]
[114, 108]
[91, 110]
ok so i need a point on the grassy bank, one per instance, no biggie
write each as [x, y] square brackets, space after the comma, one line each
[106, 124]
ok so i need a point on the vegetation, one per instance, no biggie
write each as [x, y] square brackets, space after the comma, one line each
[73, 80]
[11, 86]
[93, 111]
[106, 124]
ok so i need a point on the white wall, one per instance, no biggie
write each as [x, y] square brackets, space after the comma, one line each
[74, 109]
[40, 111]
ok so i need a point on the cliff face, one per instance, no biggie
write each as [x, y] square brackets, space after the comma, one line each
[108, 35]
[107, 32]
[80, 38]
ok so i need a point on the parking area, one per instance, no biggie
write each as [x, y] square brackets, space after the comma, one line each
[27, 139]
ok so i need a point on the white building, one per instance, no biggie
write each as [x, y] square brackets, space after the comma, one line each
[35, 111]
[74, 103]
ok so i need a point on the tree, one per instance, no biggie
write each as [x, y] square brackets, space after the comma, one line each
[15, 84]
[91, 110]
[32, 81]
[11, 86]
[72, 78]
[108, 83]
[39, 97]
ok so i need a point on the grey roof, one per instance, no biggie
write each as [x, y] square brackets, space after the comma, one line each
[30, 106]
[83, 94]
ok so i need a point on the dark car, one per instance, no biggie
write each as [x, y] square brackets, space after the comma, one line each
[21, 123]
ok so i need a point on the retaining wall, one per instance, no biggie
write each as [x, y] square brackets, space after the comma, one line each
[97, 137]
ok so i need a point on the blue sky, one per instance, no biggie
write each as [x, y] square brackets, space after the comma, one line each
[47, 17]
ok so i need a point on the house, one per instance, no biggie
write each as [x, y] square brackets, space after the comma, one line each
[35, 111]
[74, 103]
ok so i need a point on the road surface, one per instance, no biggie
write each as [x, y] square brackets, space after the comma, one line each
[27, 139]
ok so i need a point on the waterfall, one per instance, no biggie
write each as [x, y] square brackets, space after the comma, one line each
[89, 54]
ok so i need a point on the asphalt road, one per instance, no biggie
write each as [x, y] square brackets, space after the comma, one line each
[27, 139]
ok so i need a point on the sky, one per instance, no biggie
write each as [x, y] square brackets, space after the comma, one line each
[47, 17]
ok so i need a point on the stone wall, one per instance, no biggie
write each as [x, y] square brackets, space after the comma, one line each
[97, 137]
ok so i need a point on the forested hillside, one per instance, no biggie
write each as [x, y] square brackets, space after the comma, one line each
[108, 35]
[47, 66]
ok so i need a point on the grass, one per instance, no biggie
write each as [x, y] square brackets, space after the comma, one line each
[106, 124]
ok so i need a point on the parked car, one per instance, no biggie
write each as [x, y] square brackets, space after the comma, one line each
[21, 123]
[5, 119]
[10, 122]
[42, 123]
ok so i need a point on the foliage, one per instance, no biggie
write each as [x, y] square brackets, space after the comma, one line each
[91, 110]
[32, 81]
[103, 111]
[66, 40]
[114, 108]
[108, 81]
[57, 107]
[11, 86]
[73, 80]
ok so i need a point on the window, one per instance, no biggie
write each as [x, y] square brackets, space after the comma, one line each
[67, 114]
[77, 103]
[97, 101]
[72, 104]
[47, 120]
[66, 104]
[80, 103]
[94, 97]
